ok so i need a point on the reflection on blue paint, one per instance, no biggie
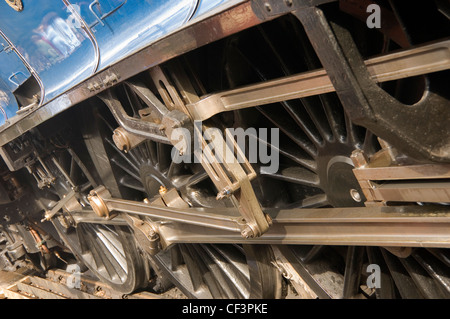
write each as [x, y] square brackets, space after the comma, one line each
[54, 43]
[8, 103]
[57, 37]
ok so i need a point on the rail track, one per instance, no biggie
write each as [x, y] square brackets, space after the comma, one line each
[56, 284]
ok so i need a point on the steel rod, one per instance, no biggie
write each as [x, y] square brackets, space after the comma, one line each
[393, 66]
[406, 226]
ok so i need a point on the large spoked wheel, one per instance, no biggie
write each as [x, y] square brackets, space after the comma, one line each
[316, 140]
[222, 271]
[198, 270]
[110, 251]
[113, 256]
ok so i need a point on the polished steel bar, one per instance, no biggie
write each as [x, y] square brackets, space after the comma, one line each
[405, 226]
[393, 66]
[356, 227]
[228, 220]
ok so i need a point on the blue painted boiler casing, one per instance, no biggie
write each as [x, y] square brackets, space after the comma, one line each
[59, 44]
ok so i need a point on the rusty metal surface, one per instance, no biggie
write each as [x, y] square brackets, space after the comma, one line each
[55, 285]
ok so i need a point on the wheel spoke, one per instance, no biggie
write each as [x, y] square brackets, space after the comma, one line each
[229, 274]
[353, 267]
[316, 201]
[297, 175]
[304, 123]
[126, 167]
[402, 279]
[334, 116]
[426, 285]
[286, 125]
[435, 269]
[114, 247]
[131, 182]
[386, 284]
[287, 150]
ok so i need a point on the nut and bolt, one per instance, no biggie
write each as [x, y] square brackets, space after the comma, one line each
[121, 140]
[225, 193]
[162, 191]
[355, 195]
[247, 233]
[359, 158]
[269, 219]
[288, 3]
[98, 205]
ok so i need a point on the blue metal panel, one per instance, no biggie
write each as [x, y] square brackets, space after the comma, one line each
[122, 27]
[64, 53]
[12, 70]
[8, 103]
[49, 37]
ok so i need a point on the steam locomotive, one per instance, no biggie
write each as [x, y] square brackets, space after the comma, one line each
[229, 148]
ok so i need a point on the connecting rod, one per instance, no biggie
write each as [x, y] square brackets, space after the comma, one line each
[401, 226]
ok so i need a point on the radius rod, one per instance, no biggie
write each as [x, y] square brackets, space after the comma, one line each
[401, 226]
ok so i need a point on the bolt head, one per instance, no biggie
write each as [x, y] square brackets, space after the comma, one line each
[269, 219]
[247, 233]
[162, 190]
[98, 206]
[355, 195]
[121, 140]
[359, 158]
